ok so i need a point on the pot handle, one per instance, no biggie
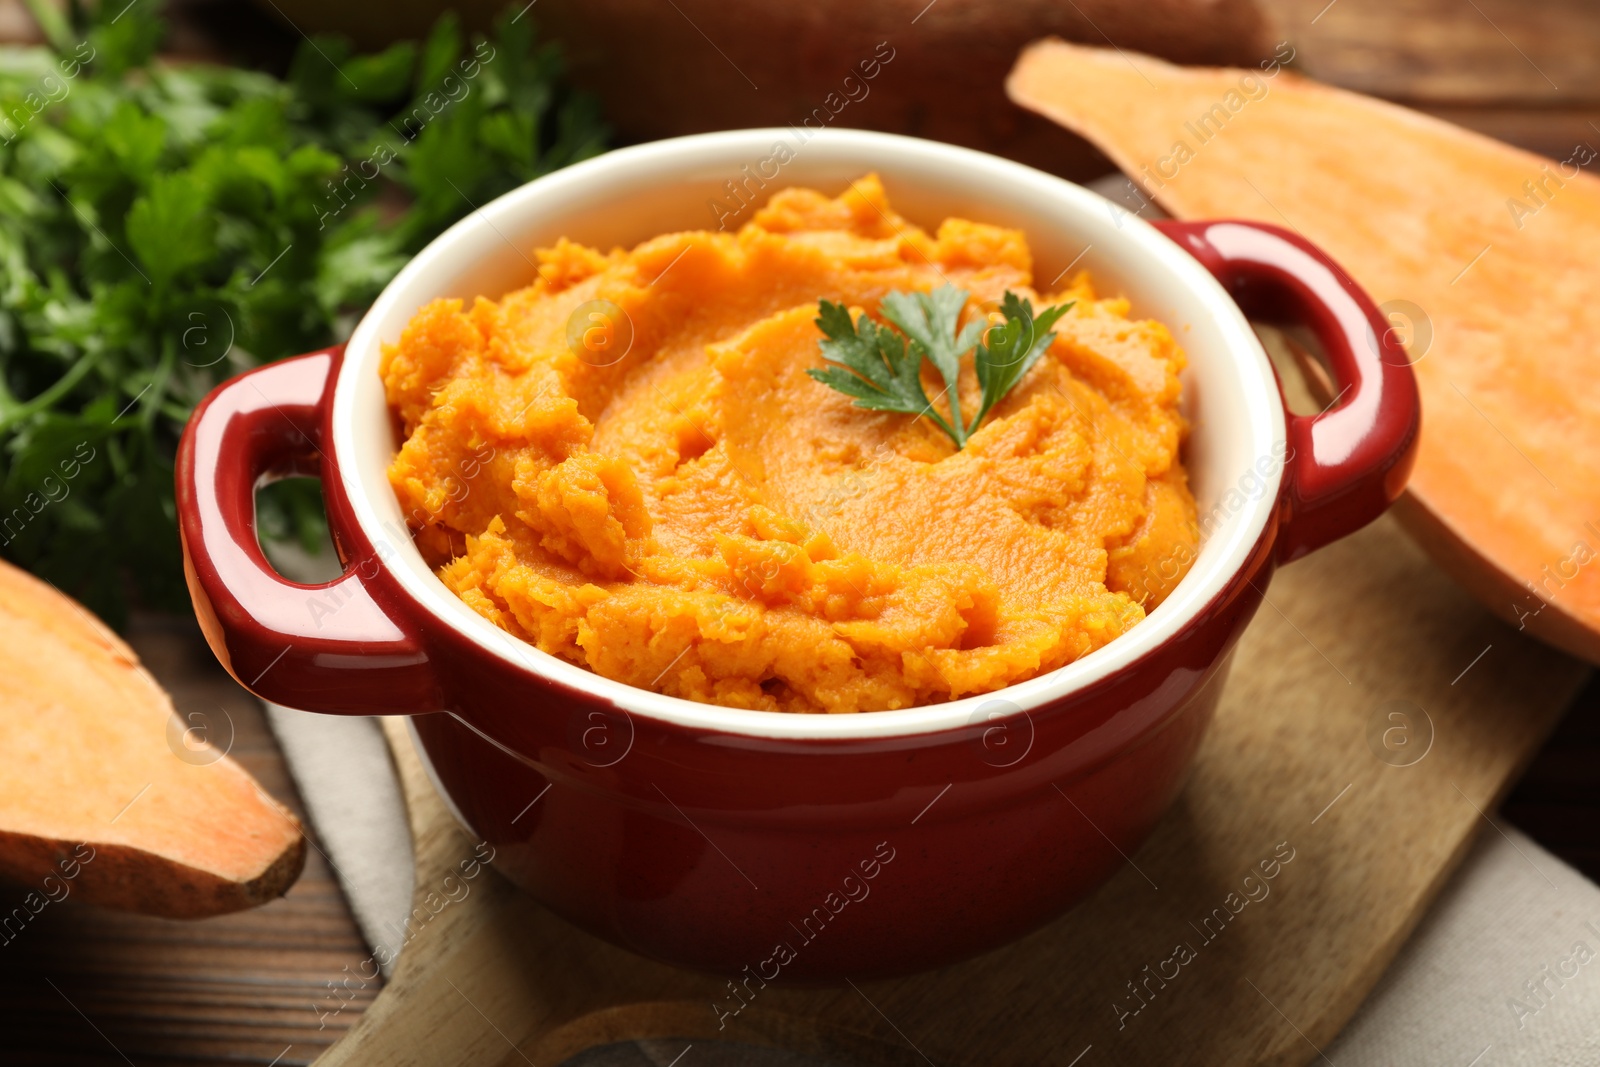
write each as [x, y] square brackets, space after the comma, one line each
[1348, 463]
[327, 647]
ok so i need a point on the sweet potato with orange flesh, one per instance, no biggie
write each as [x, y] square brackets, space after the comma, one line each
[1489, 249]
[92, 793]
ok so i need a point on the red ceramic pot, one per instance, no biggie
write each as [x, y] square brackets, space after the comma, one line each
[806, 847]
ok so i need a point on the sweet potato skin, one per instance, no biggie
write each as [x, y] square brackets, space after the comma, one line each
[127, 878]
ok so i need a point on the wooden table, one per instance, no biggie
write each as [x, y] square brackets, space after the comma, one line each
[92, 987]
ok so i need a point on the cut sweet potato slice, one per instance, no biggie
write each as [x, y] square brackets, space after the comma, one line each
[93, 795]
[1483, 254]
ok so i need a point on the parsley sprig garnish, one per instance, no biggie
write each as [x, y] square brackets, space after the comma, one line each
[882, 368]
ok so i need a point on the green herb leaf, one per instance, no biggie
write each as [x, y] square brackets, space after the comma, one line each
[127, 41]
[384, 76]
[887, 371]
[929, 320]
[1011, 349]
[439, 52]
[874, 365]
[170, 228]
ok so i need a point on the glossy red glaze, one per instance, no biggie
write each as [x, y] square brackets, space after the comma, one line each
[713, 848]
[315, 646]
[1352, 460]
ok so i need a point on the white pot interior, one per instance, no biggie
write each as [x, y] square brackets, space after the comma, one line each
[627, 196]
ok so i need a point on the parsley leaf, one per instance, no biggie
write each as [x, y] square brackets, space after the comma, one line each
[929, 319]
[883, 372]
[887, 376]
[170, 227]
[1012, 348]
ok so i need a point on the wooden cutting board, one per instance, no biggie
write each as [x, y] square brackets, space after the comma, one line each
[1375, 714]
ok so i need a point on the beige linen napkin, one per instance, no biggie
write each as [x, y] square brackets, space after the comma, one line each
[1504, 971]
[341, 765]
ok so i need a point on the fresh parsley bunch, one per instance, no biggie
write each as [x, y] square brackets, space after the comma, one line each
[882, 369]
[165, 227]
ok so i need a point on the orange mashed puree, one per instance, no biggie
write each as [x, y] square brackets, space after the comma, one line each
[700, 518]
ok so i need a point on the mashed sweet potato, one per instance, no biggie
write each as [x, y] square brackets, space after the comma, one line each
[653, 487]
